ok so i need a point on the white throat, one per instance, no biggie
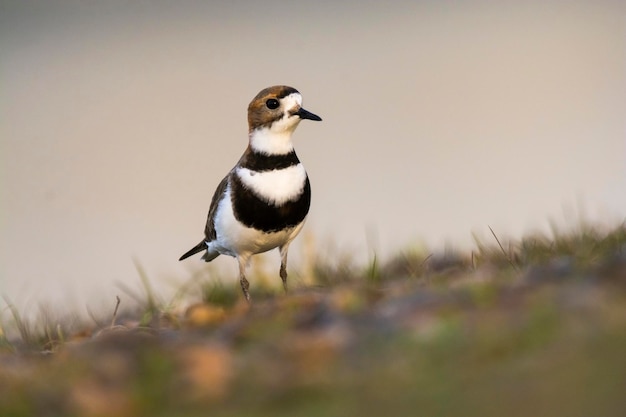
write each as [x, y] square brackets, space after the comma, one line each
[269, 142]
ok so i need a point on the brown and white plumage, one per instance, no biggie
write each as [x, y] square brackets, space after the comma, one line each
[262, 203]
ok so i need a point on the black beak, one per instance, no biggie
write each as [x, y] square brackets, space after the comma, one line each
[308, 115]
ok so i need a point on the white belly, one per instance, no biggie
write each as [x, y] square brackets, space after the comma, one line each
[235, 239]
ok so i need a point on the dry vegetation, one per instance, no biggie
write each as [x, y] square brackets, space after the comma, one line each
[529, 328]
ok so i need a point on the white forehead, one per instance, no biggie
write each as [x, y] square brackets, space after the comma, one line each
[292, 100]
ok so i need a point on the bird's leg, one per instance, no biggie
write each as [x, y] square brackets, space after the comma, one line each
[242, 278]
[244, 287]
[283, 265]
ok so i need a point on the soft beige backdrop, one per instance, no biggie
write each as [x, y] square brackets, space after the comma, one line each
[118, 119]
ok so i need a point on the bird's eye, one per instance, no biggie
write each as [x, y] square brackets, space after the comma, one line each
[272, 103]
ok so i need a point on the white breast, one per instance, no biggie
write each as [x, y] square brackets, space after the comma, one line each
[277, 186]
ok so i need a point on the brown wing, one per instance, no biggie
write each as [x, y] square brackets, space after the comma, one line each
[209, 230]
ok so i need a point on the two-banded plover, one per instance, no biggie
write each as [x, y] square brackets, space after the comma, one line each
[263, 201]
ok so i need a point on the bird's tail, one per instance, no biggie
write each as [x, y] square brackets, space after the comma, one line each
[198, 248]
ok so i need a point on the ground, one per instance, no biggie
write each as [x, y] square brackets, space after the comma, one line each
[535, 327]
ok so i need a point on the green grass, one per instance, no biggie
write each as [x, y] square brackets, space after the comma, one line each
[517, 328]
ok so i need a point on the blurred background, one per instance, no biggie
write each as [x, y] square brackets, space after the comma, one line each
[118, 119]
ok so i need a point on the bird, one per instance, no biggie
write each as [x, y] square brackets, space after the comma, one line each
[263, 201]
